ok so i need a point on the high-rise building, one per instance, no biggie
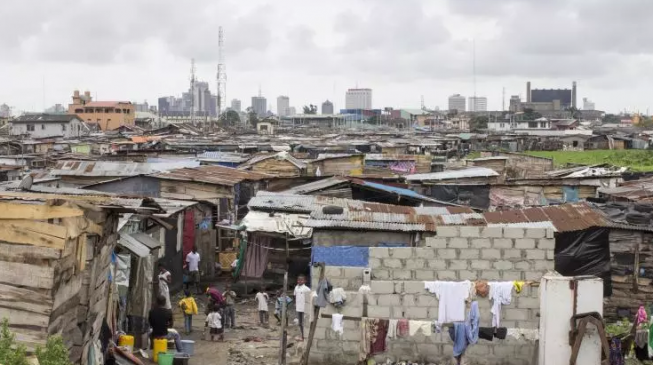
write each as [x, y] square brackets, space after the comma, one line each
[202, 96]
[283, 106]
[260, 106]
[236, 105]
[358, 99]
[457, 102]
[5, 111]
[292, 110]
[327, 108]
[588, 104]
[477, 103]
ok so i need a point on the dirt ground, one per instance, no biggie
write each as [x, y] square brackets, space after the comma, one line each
[247, 344]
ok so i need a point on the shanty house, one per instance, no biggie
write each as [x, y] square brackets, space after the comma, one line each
[399, 164]
[281, 164]
[338, 165]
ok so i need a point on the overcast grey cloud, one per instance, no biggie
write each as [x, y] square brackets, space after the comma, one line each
[141, 49]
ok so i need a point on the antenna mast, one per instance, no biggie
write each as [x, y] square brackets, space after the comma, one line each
[474, 71]
[192, 91]
[222, 74]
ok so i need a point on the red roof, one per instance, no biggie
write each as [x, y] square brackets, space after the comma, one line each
[106, 104]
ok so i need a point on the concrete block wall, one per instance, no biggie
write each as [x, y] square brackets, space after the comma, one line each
[454, 254]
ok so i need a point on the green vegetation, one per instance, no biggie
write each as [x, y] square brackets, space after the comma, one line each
[635, 160]
[54, 353]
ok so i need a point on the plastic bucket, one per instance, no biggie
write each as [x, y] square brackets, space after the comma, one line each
[166, 358]
[126, 341]
[160, 345]
[181, 359]
[188, 347]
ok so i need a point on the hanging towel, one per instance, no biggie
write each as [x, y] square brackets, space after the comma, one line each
[471, 325]
[337, 297]
[367, 330]
[465, 333]
[451, 296]
[392, 329]
[519, 285]
[500, 294]
[323, 290]
[416, 326]
[403, 327]
[378, 344]
[336, 323]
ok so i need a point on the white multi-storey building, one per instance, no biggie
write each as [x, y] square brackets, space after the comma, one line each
[358, 99]
[457, 102]
[477, 103]
[283, 106]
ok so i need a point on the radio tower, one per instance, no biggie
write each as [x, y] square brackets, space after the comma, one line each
[192, 91]
[222, 74]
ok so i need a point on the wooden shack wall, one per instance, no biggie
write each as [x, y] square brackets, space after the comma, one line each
[272, 166]
[522, 166]
[497, 165]
[345, 166]
[173, 189]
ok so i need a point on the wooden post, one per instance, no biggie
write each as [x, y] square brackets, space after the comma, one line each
[284, 314]
[316, 313]
[636, 269]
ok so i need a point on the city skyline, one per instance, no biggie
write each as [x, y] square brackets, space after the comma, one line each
[145, 56]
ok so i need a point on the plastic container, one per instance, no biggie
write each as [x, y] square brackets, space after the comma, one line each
[181, 359]
[160, 345]
[188, 347]
[166, 358]
[126, 341]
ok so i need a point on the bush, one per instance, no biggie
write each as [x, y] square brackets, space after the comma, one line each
[54, 353]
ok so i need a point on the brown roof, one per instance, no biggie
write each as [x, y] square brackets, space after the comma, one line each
[106, 104]
[217, 175]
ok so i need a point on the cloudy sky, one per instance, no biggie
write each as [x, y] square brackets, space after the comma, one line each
[314, 50]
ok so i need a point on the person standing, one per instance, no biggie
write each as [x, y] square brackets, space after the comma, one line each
[189, 307]
[160, 320]
[262, 299]
[165, 278]
[278, 306]
[229, 310]
[214, 323]
[193, 264]
[301, 291]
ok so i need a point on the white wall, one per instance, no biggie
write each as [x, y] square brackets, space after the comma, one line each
[499, 126]
[73, 128]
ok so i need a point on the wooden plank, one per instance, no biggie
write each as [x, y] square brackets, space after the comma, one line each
[37, 301]
[38, 212]
[32, 276]
[75, 226]
[82, 247]
[67, 291]
[13, 234]
[27, 253]
[19, 317]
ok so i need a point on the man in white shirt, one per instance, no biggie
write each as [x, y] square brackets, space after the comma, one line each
[193, 265]
[301, 296]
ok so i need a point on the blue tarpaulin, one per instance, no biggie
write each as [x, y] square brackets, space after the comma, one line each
[570, 194]
[356, 256]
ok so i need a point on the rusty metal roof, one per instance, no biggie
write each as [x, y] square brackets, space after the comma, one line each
[116, 168]
[211, 174]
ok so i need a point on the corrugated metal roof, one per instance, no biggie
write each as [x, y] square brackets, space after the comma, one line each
[328, 156]
[399, 191]
[110, 168]
[317, 223]
[280, 156]
[218, 175]
[223, 157]
[293, 224]
[381, 157]
[316, 185]
[454, 174]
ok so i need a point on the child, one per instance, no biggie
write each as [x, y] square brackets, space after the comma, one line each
[214, 323]
[189, 307]
[229, 311]
[262, 299]
[301, 291]
[278, 306]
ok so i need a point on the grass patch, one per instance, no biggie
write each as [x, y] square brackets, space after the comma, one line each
[635, 160]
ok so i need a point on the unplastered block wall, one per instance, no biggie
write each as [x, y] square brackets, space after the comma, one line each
[454, 254]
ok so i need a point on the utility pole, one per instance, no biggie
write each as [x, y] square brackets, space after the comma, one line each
[192, 91]
[222, 74]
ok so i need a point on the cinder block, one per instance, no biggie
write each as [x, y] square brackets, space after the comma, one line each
[536, 254]
[480, 264]
[535, 232]
[503, 265]
[414, 287]
[480, 243]
[544, 265]
[458, 264]
[550, 255]
[320, 333]
[446, 253]
[429, 351]
[470, 231]
[333, 271]
[378, 312]
[511, 275]
[448, 231]
[398, 312]
[469, 253]
[492, 232]
[401, 252]
[402, 274]
[351, 335]
[550, 233]
[523, 265]
[531, 325]
[382, 287]
[506, 352]
[546, 244]
[425, 253]
[426, 300]
[408, 300]
[513, 232]
[381, 274]
[503, 243]
[513, 314]
[467, 275]
[437, 264]
[417, 313]
[351, 311]
[393, 263]
[352, 272]
[458, 242]
[323, 323]
[528, 303]
[525, 243]
[532, 275]
[479, 350]
[379, 252]
[412, 264]
[399, 287]
[490, 254]
[511, 253]
[373, 263]
[433, 312]
[424, 275]
[436, 242]
[490, 275]
[446, 275]
[389, 300]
